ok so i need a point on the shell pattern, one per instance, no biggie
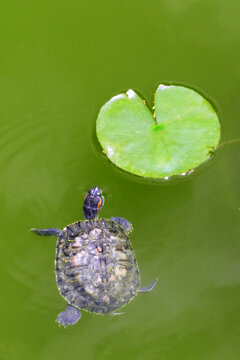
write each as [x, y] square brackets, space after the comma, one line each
[96, 269]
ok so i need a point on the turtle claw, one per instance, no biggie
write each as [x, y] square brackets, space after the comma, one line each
[149, 287]
[69, 317]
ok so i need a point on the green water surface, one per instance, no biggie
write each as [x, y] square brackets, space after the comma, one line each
[60, 61]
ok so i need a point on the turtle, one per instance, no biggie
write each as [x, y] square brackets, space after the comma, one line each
[96, 269]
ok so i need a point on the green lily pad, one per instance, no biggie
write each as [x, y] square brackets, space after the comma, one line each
[181, 134]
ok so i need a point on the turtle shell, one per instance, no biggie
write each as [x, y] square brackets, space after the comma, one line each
[96, 269]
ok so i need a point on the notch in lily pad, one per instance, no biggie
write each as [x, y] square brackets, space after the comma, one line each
[180, 134]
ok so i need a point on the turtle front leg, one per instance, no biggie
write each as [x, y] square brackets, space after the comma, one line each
[148, 288]
[69, 317]
[123, 222]
[46, 232]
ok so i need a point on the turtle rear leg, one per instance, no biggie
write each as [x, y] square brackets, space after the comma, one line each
[123, 222]
[69, 317]
[46, 232]
[148, 288]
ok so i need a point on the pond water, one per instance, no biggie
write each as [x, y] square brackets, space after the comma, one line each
[60, 62]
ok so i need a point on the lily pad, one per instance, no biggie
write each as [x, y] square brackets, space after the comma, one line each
[178, 136]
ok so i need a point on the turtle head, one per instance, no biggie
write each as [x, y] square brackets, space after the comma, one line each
[93, 202]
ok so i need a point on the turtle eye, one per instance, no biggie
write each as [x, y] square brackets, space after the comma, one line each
[99, 203]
